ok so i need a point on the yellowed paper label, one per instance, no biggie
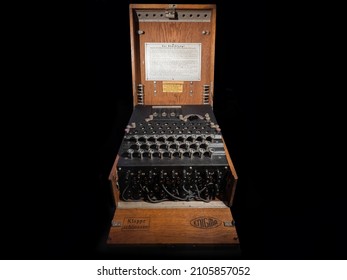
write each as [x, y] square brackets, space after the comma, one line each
[173, 61]
[172, 86]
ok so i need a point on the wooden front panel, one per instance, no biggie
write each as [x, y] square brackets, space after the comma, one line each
[172, 32]
[173, 226]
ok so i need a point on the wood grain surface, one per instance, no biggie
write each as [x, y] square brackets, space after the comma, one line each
[173, 226]
[172, 32]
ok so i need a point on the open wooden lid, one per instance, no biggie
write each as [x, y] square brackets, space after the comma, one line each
[172, 53]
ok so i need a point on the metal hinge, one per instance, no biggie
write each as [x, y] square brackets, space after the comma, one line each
[205, 94]
[140, 94]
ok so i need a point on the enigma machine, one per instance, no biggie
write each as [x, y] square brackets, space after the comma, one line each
[173, 179]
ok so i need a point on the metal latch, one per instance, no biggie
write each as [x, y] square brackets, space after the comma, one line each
[171, 13]
[229, 223]
[116, 223]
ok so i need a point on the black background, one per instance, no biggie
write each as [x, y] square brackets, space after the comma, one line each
[63, 204]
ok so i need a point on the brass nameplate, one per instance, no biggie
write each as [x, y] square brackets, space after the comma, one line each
[172, 86]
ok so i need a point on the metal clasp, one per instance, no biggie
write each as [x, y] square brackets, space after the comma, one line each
[229, 223]
[171, 12]
[116, 224]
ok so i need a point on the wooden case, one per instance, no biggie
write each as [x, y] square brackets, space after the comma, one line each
[156, 27]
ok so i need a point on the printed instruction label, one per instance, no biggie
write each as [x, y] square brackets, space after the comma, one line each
[173, 61]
